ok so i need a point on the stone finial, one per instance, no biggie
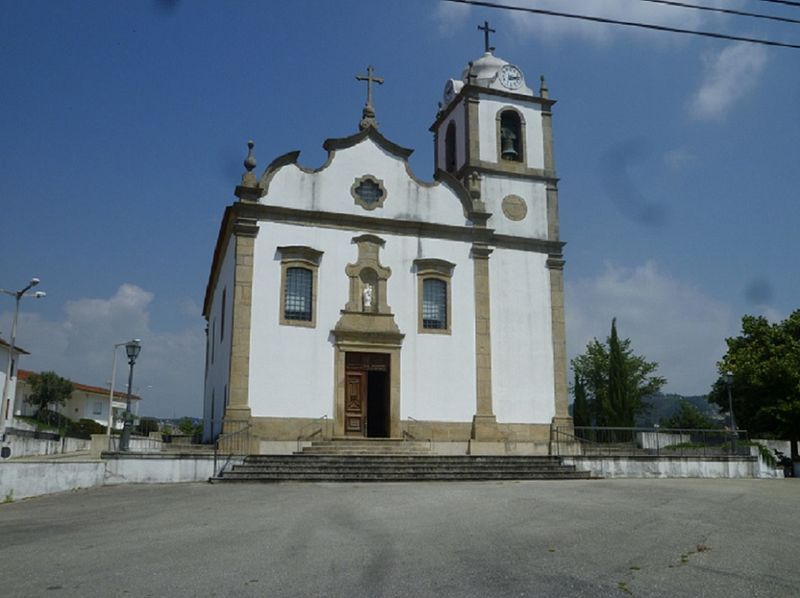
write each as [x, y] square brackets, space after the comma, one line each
[368, 113]
[248, 178]
[474, 184]
[543, 91]
[249, 189]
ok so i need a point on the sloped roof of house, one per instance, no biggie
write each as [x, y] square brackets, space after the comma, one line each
[17, 348]
[23, 375]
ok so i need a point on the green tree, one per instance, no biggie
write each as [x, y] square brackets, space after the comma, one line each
[689, 417]
[147, 425]
[615, 379]
[581, 413]
[48, 389]
[765, 362]
[186, 425]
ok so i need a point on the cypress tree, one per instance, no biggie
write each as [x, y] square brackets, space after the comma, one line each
[621, 410]
[581, 415]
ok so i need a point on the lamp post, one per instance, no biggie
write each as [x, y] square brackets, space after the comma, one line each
[132, 348]
[727, 378]
[6, 402]
[111, 393]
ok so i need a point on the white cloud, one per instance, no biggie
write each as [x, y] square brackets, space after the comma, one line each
[555, 28]
[80, 347]
[450, 17]
[729, 76]
[667, 321]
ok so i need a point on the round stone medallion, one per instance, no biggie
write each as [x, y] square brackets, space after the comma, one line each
[514, 207]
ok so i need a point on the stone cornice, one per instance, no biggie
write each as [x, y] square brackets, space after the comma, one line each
[243, 218]
[474, 91]
[372, 133]
[510, 169]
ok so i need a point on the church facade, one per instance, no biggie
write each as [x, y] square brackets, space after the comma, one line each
[355, 300]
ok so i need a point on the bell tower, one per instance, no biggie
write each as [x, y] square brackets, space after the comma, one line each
[492, 122]
[493, 133]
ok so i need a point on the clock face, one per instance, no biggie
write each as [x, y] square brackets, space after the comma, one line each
[510, 77]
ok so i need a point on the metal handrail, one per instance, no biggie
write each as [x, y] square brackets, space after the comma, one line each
[319, 421]
[231, 439]
[656, 440]
[407, 433]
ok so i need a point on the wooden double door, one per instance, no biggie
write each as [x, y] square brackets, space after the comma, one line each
[367, 400]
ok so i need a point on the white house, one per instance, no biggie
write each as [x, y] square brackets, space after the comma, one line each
[6, 368]
[85, 402]
[387, 304]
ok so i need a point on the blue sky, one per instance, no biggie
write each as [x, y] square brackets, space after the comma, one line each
[123, 126]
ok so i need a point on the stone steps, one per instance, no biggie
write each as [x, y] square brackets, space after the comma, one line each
[367, 446]
[405, 467]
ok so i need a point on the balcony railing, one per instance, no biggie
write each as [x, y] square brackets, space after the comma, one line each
[631, 442]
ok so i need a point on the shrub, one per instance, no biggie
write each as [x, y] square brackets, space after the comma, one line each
[147, 425]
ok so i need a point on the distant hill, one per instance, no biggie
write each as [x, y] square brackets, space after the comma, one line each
[662, 406]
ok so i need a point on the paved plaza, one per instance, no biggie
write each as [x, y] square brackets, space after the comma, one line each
[668, 538]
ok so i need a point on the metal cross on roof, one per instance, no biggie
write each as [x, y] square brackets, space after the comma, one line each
[370, 79]
[486, 31]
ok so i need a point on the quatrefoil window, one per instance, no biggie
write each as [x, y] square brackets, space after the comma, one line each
[369, 192]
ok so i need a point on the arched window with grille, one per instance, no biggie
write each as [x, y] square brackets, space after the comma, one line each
[297, 300]
[434, 304]
[434, 276]
[299, 266]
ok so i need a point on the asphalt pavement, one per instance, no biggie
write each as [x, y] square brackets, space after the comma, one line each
[597, 538]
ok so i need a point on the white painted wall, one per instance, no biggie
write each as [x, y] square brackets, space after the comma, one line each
[488, 109]
[496, 187]
[218, 370]
[292, 368]
[672, 467]
[24, 479]
[12, 383]
[522, 349]
[328, 190]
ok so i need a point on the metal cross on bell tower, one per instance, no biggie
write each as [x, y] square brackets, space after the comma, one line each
[368, 113]
[486, 31]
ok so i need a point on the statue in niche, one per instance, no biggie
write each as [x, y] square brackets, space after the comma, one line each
[366, 296]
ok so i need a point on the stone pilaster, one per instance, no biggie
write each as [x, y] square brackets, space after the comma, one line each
[484, 423]
[473, 153]
[245, 231]
[555, 264]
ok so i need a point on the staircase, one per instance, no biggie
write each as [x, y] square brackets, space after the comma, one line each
[384, 460]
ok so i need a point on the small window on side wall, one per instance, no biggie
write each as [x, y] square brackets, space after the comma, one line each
[434, 295]
[299, 267]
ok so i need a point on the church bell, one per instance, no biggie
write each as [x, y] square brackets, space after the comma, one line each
[508, 149]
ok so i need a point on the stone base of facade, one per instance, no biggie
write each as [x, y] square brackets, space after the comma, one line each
[285, 435]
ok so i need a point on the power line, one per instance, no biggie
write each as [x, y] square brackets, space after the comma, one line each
[566, 15]
[787, 2]
[727, 11]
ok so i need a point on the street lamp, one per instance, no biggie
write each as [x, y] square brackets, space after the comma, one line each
[6, 402]
[111, 393]
[727, 379]
[132, 349]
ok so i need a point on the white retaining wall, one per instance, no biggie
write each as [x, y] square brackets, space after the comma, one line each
[23, 446]
[22, 479]
[673, 467]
